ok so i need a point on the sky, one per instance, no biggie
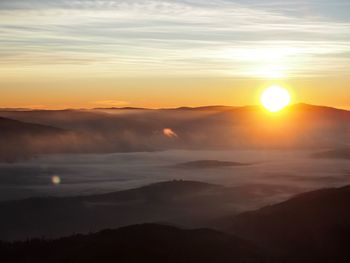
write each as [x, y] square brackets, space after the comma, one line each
[150, 53]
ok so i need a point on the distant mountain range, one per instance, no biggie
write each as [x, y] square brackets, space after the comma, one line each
[214, 127]
[343, 153]
[204, 164]
[11, 128]
[20, 140]
[184, 203]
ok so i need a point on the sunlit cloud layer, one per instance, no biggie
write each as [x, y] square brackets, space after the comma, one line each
[260, 39]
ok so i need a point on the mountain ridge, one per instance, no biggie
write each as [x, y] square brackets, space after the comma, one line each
[313, 225]
[138, 243]
[204, 107]
[180, 202]
[299, 126]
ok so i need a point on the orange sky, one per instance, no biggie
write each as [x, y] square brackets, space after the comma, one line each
[85, 54]
[166, 92]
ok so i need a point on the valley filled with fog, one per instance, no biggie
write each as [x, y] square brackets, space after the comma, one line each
[82, 171]
[276, 174]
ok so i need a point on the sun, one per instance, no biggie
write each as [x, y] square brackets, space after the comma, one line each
[275, 98]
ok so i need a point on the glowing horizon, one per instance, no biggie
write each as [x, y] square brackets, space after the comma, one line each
[158, 54]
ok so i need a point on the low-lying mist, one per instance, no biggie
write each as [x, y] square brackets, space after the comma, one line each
[83, 174]
[212, 128]
[72, 171]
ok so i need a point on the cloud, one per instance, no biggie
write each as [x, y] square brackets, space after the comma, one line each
[187, 37]
[110, 103]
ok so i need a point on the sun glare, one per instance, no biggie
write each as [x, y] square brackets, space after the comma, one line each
[275, 98]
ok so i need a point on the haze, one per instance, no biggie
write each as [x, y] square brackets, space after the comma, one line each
[173, 131]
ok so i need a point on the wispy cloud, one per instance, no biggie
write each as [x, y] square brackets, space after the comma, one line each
[109, 103]
[145, 37]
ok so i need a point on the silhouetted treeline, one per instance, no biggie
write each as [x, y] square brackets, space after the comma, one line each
[140, 243]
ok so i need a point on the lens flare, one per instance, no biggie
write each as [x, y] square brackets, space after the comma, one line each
[56, 180]
[169, 133]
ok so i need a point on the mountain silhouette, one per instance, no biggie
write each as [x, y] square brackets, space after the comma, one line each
[185, 203]
[20, 140]
[202, 164]
[343, 153]
[299, 126]
[138, 243]
[311, 227]
[9, 127]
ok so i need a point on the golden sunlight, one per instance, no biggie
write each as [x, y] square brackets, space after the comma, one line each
[275, 98]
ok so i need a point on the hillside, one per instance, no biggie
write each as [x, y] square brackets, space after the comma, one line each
[312, 227]
[217, 127]
[21, 140]
[185, 203]
[139, 243]
[343, 153]
[203, 164]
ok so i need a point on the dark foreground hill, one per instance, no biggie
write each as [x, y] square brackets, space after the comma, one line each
[187, 203]
[312, 227]
[140, 243]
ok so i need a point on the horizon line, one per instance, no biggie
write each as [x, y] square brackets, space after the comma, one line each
[347, 108]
